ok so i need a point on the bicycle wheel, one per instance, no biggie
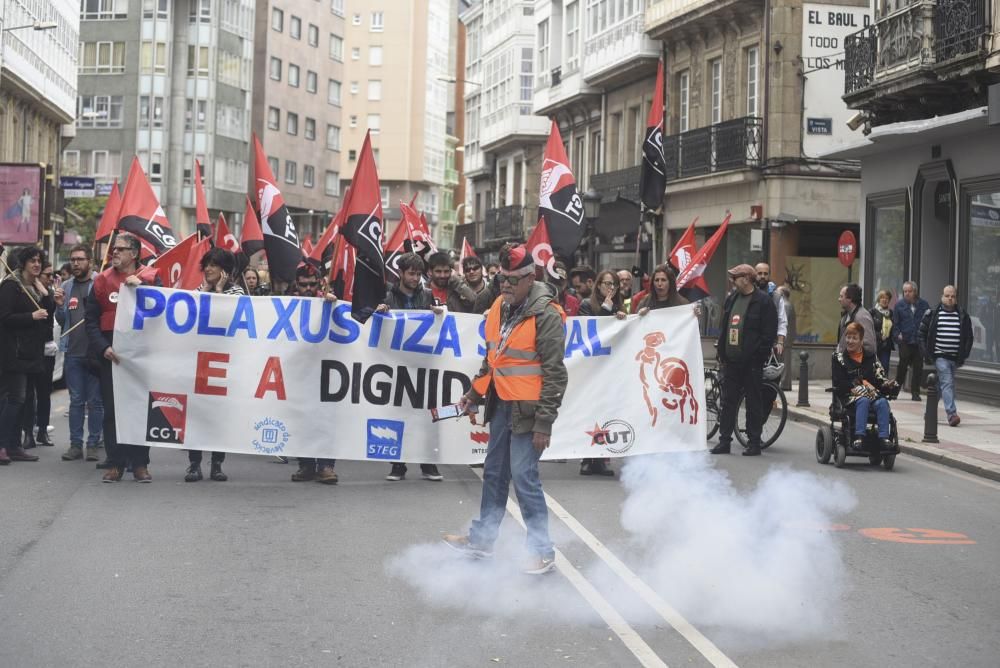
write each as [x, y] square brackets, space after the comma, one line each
[774, 416]
[713, 401]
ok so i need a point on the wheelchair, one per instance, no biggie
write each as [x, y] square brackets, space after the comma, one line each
[836, 440]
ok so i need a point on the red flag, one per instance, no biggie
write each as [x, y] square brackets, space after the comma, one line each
[180, 267]
[682, 253]
[280, 238]
[467, 251]
[323, 252]
[307, 245]
[142, 215]
[540, 247]
[363, 230]
[224, 238]
[110, 215]
[251, 238]
[419, 233]
[687, 283]
[202, 222]
[342, 269]
[653, 173]
[559, 204]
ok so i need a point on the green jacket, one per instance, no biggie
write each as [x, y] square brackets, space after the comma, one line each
[550, 342]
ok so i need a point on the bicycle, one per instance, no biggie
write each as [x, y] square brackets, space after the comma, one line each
[775, 409]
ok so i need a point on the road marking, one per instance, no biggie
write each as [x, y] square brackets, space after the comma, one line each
[706, 647]
[958, 473]
[917, 536]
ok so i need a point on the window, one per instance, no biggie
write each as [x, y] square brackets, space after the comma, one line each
[374, 123]
[311, 81]
[378, 22]
[332, 184]
[543, 47]
[152, 163]
[715, 81]
[752, 73]
[292, 123]
[313, 35]
[886, 222]
[231, 121]
[355, 52]
[333, 92]
[273, 164]
[337, 7]
[683, 100]
[310, 129]
[354, 88]
[352, 155]
[200, 11]
[353, 121]
[981, 201]
[273, 118]
[105, 163]
[337, 47]
[295, 28]
[155, 9]
[374, 89]
[333, 137]
[308, 176]
[102, 57]
[197, 61]
[277, 20]
[195, 114]
[375, 56]
[527, 80]
[103, 9]
[275, 69]
[150, 111]
[291, 171]
[384, 192]
[356, 19]
[572, 35]
[71, 163]
[153, 57]
[100, 111]
[293, 75]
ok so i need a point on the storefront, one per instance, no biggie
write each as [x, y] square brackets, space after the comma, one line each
[931, 193]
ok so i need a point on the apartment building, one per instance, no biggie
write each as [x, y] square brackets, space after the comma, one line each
[396, 86]
[169, 82]
[924, 79]
[504, 139]
[297, 105]
[38, 96]
[748, 115]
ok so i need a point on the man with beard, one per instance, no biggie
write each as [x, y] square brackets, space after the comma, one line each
[582, 278]
[403, 296]
[625, 280]
[764, 283]
[447, 288]
[472, 270]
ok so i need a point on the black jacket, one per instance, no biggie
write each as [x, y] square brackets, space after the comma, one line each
[927, 335]
[847, 374]
[884, 345]
[396, 300]
[22, 345]
[760, 328]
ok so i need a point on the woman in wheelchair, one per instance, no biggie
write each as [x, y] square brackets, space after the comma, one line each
[859, 381]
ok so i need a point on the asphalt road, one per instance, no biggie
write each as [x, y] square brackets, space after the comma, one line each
[770, 561]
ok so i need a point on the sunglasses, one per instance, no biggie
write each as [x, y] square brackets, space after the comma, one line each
[121, 249]
[311, 284]
[513, 280]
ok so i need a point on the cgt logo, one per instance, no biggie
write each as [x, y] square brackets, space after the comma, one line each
[616, 436]
[166, 417]
[385, 439]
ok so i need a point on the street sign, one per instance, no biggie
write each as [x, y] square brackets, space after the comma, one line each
[847, 248]
[819, 126]
[77, 186]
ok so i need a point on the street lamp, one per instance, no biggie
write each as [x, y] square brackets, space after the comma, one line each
[452, 80]
[37, 25]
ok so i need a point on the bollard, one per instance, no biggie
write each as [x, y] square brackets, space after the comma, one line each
[803, 379]
[930, 414]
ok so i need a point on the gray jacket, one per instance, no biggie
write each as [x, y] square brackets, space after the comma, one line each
[550, 342]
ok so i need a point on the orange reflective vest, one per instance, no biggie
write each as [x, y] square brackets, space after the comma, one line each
[515, 368]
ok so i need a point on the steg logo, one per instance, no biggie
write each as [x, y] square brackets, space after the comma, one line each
[385, 439]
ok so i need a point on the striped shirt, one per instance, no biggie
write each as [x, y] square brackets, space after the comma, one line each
[949, 333]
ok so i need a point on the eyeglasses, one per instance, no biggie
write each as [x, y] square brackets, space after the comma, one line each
[47, 274]
[513, 280]
[310, 284]
[607, 282]
[78, 259]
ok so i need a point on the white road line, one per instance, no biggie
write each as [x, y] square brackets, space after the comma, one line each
[952, 471]
[629, 637]
[706, 647]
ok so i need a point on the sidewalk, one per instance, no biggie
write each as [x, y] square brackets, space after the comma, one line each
[973, 446]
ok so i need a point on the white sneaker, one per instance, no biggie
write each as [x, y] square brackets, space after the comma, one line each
[539, 566]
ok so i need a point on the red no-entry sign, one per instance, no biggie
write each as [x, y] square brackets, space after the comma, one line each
[847, 248]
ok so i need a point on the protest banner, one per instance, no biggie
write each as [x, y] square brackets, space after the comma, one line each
[298, 376]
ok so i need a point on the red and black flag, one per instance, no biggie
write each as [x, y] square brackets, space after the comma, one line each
[398, 244]
[202, 222]
[322, 253]
[251, 238]
[110, 216]
[419, 233]
[280, 238]
[559, 204]
[687, 281]
[344, 261]
[540, 246]
[180, 267]
[363, 230]
[653, 174]
[224, 238]
[142, 215]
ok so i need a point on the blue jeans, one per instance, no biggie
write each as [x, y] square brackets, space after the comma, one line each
[84, 390]
[509, 457]
[946, 383]
[861, 407]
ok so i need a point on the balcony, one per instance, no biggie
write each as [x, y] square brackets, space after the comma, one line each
[507, 222]
[469, 231]
[666, 16]
[923, 51]
[614, 55]
[450, 176]
[512, 125]
[619, 184]
[722, 147]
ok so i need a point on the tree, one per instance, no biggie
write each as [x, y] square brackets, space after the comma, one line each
[88, 212]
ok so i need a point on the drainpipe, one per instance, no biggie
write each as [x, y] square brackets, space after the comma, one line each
[767, 82]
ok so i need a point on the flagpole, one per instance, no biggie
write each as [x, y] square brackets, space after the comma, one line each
[638, 234]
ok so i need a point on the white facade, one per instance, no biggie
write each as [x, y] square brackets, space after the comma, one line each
[436, 107]
[615, 34]
[43, 60]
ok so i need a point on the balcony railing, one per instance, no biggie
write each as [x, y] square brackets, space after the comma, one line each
[623, 183]
[507, 222]
[721, 147]
[468, 231]
[450, 176]
[918, 35]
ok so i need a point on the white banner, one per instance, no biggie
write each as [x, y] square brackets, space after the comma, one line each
[298, 377]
